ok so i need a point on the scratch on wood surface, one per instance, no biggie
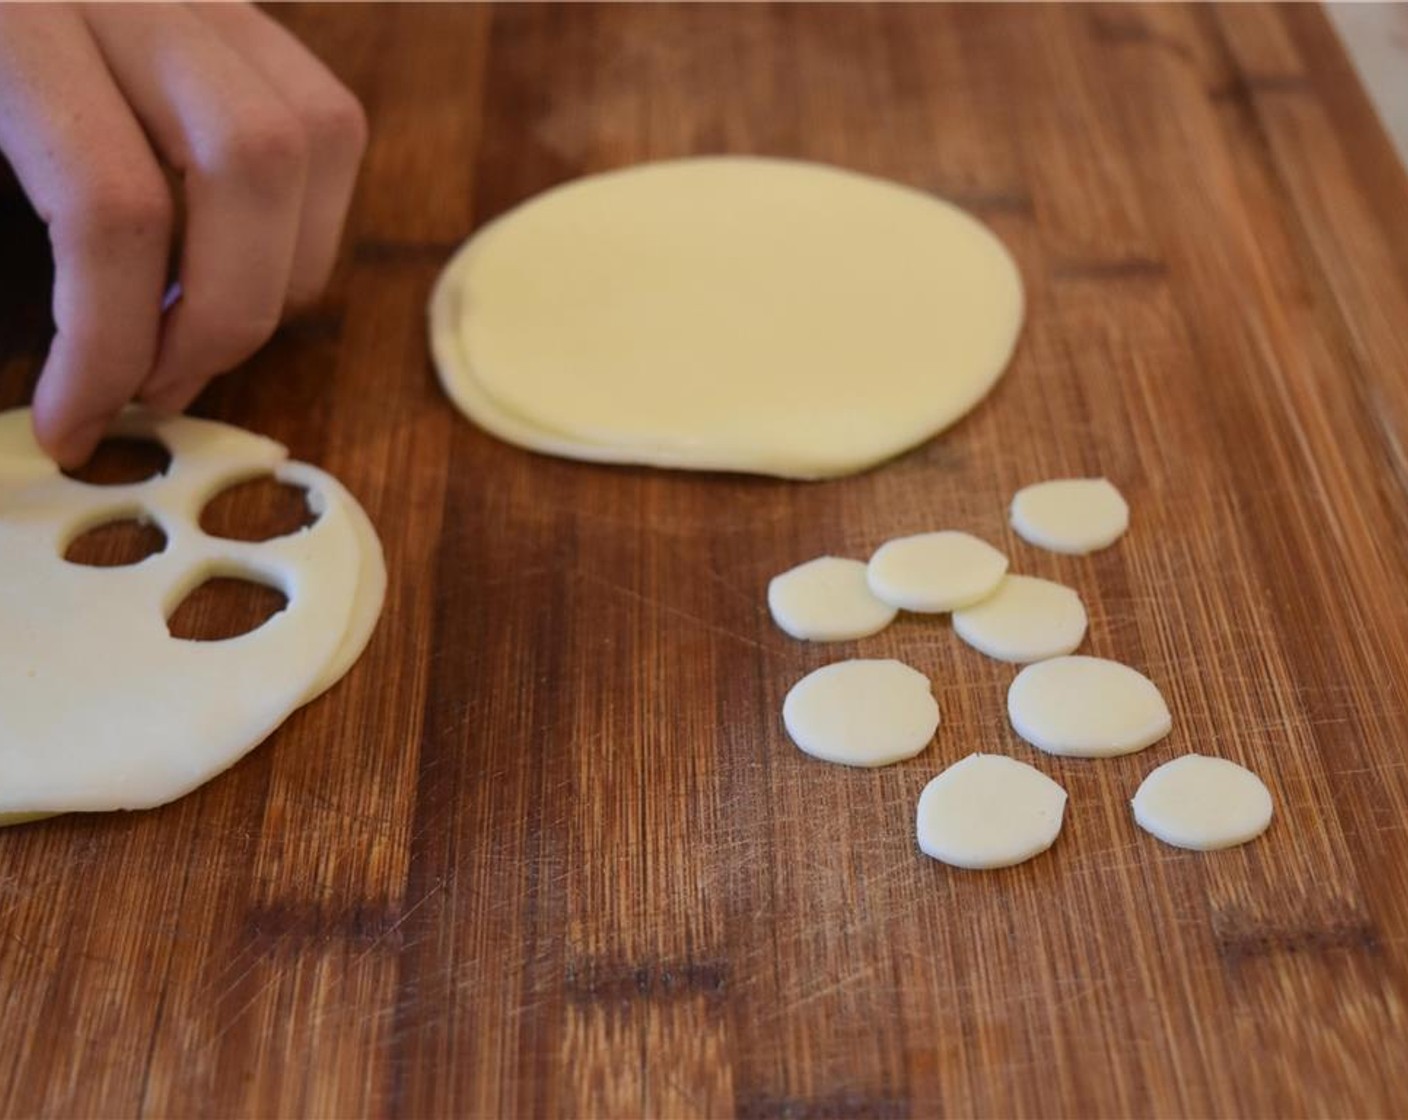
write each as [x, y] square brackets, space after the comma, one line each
[729, 584]
[585, 575]
[1376, 768]
[322, 800]
[392, 929]
[231, 1019]
[863, 977]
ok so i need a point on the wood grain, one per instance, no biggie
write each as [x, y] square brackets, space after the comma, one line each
[546, 850]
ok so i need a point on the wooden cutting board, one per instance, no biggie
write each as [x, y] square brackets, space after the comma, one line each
[546, 850]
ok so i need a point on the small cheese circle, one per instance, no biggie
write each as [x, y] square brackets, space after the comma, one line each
[827, 600]
[989, 811]
[1203, 803]
[1025, 619]
[1087, 707]
[1071, 515]
[935, 572]
[862, 713]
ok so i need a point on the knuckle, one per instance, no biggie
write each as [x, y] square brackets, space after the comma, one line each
[269, 148]
[126, 208]
[338, 123]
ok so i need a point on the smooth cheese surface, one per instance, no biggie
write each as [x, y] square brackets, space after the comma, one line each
[730, 313]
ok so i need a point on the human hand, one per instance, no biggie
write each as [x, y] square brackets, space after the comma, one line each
[99, 105]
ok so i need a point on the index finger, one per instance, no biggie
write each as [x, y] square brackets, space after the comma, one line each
[85, 164]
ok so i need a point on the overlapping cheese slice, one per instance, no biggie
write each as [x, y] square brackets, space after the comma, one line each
[726, 313]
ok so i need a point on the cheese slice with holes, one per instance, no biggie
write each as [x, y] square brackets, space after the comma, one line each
[100, 707]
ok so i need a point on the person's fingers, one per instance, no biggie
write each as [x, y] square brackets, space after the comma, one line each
[244, 159]
[86, 167]
[332, 120]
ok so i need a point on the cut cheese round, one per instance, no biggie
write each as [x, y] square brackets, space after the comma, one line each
[726, 313]
[1203, 803]
[862, 713]
[935, 572]
[100, 707]
[1087, 707]
[1025, 619]
[1071, 515]
[989, 811]
[827, 600]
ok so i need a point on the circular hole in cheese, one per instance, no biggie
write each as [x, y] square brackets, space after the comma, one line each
[862, 713]
[224, 607]
[989, 811]
[935, 572]
[1087, 707]
[123, 461]
[1025, 619]
[257, 509]
[1203, 803]
[827, 600]
[118, 542]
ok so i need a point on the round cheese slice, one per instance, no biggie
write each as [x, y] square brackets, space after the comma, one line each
[935, 572]
[726, 313]
[100, 707]
[827, 600]
[862, 713]
[1087, 707]
[1025, 619]
[989, 811]
[1203, 803]
[1070, 515]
